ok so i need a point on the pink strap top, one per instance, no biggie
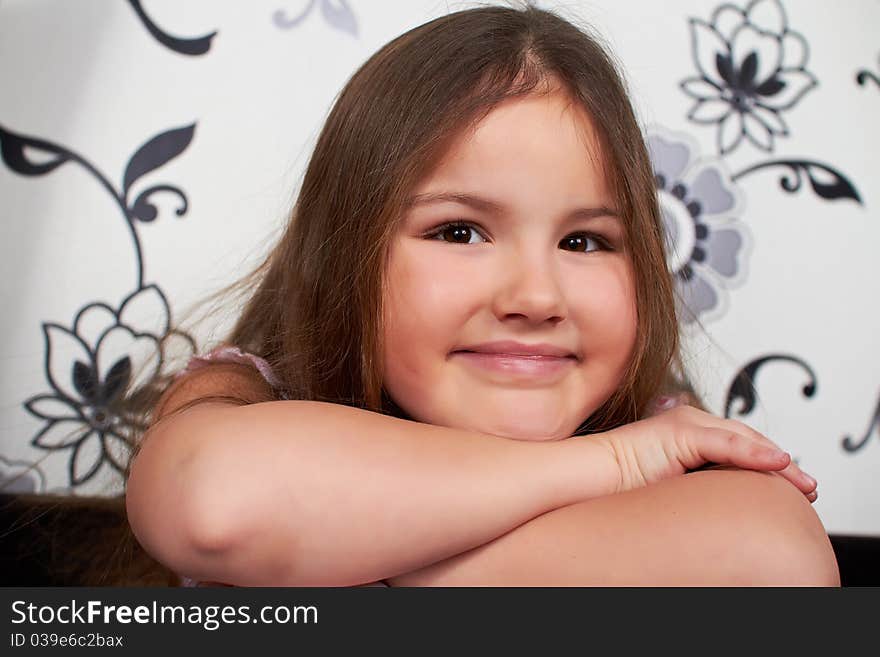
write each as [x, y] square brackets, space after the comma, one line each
[230, 354]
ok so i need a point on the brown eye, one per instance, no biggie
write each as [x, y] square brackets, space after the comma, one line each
[460, 234]
[582, 242]
[457, 234]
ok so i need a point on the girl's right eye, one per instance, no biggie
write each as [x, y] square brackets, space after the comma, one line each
[455, 232]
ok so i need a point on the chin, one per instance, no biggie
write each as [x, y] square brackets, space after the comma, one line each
[537, 431]
[525, 418]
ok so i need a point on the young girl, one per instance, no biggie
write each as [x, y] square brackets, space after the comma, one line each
[457, 368]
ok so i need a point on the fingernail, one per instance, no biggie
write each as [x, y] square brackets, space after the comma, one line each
[812, 481]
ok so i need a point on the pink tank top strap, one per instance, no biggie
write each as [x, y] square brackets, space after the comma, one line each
[669, 401]
[232, 354]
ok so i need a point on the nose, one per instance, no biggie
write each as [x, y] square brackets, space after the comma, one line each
[529, 287]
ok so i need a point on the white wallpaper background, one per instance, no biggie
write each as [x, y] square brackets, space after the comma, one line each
[762, 118]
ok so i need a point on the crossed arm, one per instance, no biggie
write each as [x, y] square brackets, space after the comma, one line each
[289, 499]
[718, 527]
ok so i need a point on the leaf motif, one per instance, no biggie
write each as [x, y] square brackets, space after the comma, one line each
[770, 87]
[156, 152]
[340, 17]
[85, 380]
[117, 380]
[12, 148]
[724, 65]
[748, 70]
[194, 46]
[840, 187]
[281, 20]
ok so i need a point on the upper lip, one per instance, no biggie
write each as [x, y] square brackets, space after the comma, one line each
[513, 348]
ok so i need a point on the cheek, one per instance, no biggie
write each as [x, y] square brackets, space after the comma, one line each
[430, 289]
[426, 299]
[425, 288]
[606, 311]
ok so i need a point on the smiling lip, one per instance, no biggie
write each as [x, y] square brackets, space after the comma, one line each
[530, 367]
[512, 348]
[518, 359]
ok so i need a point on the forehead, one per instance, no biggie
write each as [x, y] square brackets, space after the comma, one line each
[543, 143]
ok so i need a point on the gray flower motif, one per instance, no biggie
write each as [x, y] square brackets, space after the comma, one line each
[707, 246]
[90, 368]
[336, 12]
[752, 68]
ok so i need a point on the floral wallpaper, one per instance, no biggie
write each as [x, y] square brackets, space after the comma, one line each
[149, 148]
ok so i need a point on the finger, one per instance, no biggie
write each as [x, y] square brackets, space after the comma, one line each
[726, 448]
[793, 473]
[801, 480]
[721, 445]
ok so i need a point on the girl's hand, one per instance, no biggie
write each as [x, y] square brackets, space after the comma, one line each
[684, 438]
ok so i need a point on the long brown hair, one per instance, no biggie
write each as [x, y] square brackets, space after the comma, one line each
[313, 306]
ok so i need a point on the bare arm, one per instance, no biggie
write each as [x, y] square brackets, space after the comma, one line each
[717, 527]
[314, 494]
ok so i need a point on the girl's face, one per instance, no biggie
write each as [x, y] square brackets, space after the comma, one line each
[534, 256]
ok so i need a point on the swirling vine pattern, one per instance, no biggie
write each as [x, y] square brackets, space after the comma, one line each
[851, 445]
[193, 46]
[153, 154]
[864, 75]
[838, 188]
[80, 413]
[743, 386]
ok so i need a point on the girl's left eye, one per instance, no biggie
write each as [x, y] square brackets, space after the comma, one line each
[462, 233]
[584, 242]
[456, 232]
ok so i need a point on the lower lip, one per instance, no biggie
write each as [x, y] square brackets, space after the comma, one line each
[532, 366]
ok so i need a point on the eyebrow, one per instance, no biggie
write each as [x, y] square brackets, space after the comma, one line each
[490, 206]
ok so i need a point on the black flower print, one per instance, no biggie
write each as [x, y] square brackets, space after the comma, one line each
[90, 367]
[751, 69]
